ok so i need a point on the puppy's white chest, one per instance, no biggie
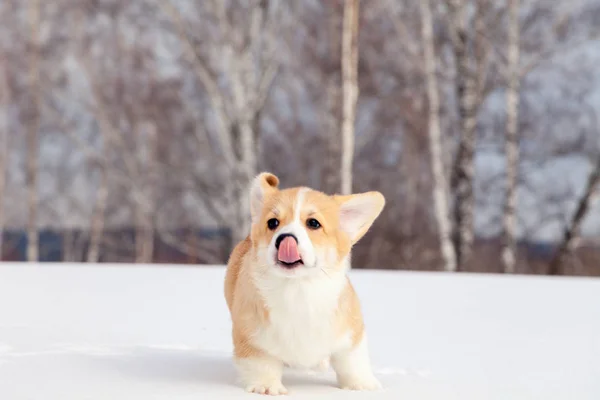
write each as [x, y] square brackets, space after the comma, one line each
[301, 330]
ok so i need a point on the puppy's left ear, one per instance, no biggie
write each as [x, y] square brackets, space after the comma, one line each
[262, 185]
[358, 212]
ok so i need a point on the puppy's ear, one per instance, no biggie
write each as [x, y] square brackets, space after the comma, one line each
[262, 185]
[358, 212]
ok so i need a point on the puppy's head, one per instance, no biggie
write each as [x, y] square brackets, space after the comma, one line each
[302, 232]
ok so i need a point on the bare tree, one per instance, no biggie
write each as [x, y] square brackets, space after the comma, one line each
[98, 217]
[33, 127]
[127, 131]
[4, 142]
[349, 90]
[511, 146]
[146, 209]
[573, 229]
[471, 52]
[171, 114]
[244, 56]
[440, 186]
[331, 112]
[5, 102]
[100, 161]
[462, 181]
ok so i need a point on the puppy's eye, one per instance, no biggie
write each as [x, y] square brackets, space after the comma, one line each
[273, 223]
[313, 223]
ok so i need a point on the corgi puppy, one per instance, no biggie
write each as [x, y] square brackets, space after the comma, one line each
[289, 297]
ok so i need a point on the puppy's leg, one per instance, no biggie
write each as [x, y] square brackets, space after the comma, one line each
[261, 374]
[353, 368]
[323, 366]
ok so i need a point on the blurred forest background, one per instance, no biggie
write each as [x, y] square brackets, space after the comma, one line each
[129, 130]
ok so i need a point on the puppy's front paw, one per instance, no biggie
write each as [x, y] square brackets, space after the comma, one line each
[270, 388]
[361, 383]
[262, 375]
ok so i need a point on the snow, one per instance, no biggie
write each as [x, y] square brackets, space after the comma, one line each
[163, 332]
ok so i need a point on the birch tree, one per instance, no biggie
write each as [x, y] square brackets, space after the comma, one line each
[5, 103]
[349, 90]
[33, 127]
[243, 55]
[440, 187]
[511, 146]
[471, 53]
[331, 113]
[462, 181]
[98, 216]
[98, 161]
[120, 99]
[573, 229]
[4, 142]
[145, 208]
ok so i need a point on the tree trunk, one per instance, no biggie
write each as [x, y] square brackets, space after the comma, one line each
[572, 231]
[67, 246]
[3, 172]
[349, 90]
[5, 100]
[240, 227]
[32, 135]
[462, 182]
[144, 228]
[97, 225]
[245, 169]
[331, 162]
[440, 189]
[249, 70]
[242, 75]
[144, 238]
[511, 146]
[145, 202]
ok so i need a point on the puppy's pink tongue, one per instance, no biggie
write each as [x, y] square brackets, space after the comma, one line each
[288, 251]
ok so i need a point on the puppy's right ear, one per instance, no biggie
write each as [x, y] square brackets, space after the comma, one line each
[263, 184]
[358, 212]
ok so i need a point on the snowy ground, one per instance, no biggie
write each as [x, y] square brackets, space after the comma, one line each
[115, 333]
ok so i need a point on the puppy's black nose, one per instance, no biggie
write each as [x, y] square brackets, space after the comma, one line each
[283, 236]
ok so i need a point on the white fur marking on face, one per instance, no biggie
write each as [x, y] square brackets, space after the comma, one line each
[299, 203]
[298, 229]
